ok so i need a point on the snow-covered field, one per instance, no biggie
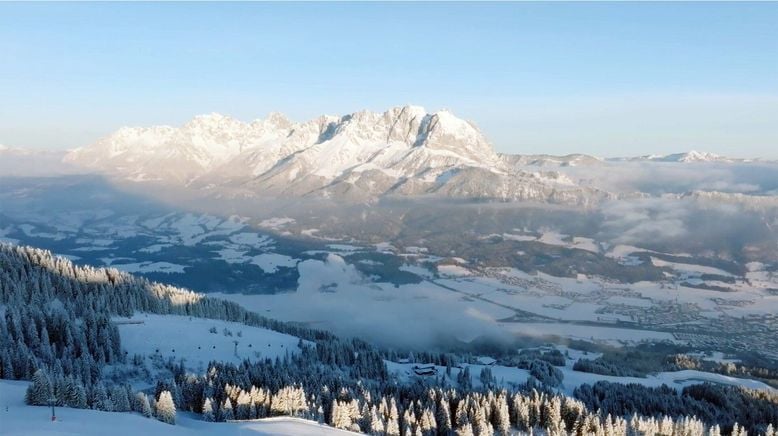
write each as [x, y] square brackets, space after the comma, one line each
[148, 267]
[227, 239]
[555, 238]
[270, 262]
[689, 269]
[552, 238]
[192, 339]
[18, 419]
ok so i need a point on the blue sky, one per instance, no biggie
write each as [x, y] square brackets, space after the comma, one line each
[603, 78]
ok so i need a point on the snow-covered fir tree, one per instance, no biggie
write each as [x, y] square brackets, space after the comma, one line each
[207, 411]
[143, 406]
[166, 409]
[121, 403]
[40, 392]
[225, 411]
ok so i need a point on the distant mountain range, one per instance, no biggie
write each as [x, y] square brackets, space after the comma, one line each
[404, 151]
[687, 157]
[361, 156]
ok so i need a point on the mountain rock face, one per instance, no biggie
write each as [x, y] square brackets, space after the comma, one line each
[404, 151]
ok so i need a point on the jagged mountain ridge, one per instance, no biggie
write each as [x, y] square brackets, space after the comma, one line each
[404, 151]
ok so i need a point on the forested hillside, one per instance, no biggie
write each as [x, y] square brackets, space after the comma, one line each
[58, 329]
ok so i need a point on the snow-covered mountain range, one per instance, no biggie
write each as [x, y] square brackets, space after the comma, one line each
[692, 156]
[404, 151]
[364, 156]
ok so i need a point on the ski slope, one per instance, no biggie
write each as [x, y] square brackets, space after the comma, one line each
[193, 339]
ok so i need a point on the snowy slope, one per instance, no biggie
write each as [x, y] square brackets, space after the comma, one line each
[402, 151]
[20, 419]
[692, 156]
[191, 339]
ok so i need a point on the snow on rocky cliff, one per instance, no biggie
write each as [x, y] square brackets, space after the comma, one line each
[364, 155]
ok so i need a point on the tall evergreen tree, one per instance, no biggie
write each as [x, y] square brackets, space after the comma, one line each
[166, 409]
[208, 413]
[144, 405]
[40, 392]
[225, 412]
[119, 399]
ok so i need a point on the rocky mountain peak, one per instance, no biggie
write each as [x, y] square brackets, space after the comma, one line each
[404, 150]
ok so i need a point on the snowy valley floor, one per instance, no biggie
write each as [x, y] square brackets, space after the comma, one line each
[17, 419]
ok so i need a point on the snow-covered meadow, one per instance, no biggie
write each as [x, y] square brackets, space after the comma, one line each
[199, 341]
